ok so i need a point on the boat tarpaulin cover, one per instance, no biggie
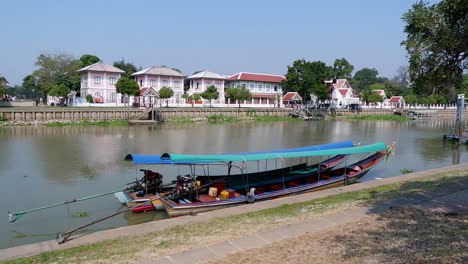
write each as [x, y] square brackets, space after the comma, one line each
[157, 159]
[277, 155]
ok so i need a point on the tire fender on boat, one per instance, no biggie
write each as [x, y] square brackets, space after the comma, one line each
[251, 195]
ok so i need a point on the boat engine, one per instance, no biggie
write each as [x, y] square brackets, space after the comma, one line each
[151, 182]
[184, 184]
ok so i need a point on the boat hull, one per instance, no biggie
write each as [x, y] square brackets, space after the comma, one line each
[330, 179]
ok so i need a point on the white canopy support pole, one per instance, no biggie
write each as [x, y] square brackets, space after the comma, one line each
[282, 174]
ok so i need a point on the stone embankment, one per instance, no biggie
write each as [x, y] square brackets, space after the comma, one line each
[43, 115]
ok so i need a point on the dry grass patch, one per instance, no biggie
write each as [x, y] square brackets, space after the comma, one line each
[397, 236]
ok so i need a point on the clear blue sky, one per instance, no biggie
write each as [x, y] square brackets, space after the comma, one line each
[222, 36]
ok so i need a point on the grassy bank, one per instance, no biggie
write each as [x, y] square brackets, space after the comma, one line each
[89, 122]
[183, 237]
[231, 119]
[373, 118]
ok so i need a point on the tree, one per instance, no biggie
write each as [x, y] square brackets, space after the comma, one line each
[192, 98]
[210, 93]
[30, 88]
[342, 69]
[56, 69]
[88, 59]
[239, 94]
[402, 77]
[3, 85]
[166, 93]
[127, 86]
[370, 96]
[410, 99]
[59, 90]
[364, 78]
[437, 45]
[89, 98]
[307, 77]
[128, 67]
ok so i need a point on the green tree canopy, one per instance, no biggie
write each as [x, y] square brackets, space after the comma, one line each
[3, 85]
[307, 77]
[210, 93]
[364, 78]
[437, 45]
[59, 90]
[127, 86]
[128, 67]
[88, 59]
[342, 69]
[240, 94]
[410, 98]
[370, 96]
[30, 88]
[56, 69]
[166, 93]
[192, 98]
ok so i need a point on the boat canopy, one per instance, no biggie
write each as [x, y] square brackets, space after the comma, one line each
[276, 155]
[157, 159]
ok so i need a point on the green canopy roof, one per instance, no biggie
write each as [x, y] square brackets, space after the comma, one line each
[266, 156]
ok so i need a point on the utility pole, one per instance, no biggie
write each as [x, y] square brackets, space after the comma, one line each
[459, 118]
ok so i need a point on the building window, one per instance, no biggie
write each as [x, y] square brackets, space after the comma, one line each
[176, 84]
[218, 85]
[243, 85]
[112, 80]
[165, 83]
[112, 97]
[141, 83]
[267, 87]
[196, 87]
[252, 86]
[97, 94]
[97, 79]
[275, 88]
[152, 83]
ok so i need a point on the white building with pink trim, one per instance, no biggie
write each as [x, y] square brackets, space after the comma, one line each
[98, 80]
[199, 82]
[162, 76]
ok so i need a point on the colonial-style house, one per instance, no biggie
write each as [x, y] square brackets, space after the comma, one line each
[98, 80]
[397, 102]
[199, 82]
[158, 77]
[292, 98]
[341, 92]
[265, 88]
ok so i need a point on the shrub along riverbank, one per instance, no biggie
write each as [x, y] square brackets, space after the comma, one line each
[358, 117]
[192, 235]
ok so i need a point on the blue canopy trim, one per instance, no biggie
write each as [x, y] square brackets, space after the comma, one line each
[165, 159]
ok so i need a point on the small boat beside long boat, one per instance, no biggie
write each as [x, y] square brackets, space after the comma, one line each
[186, 199]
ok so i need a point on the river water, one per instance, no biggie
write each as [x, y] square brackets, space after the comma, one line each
[44, 165]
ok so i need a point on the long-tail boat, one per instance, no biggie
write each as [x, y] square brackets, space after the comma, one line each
[187, 200]
[151, 183]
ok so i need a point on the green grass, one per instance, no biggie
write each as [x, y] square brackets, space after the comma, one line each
[180, 120]
[183, 237]
[221, 119]
[375, 118]
[275, 118]
[2, 119]
[88, 122]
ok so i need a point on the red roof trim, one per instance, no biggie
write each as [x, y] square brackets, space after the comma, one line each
[256, 77]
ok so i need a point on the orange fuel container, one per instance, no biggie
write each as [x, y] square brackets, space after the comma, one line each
[224, 195]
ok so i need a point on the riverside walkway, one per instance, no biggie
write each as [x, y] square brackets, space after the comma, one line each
[448, 199]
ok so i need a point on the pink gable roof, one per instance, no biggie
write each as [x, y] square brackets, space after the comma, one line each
[257, 77]
[343, 91]
[379, 92]
[289, 96]
[395, 99]
[340, 83]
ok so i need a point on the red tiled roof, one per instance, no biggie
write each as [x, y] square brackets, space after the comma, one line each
[340, 83]
[343, 91]
[142, 91]
[263, 95]
[289, 96]
[256, 77]
[395, 99]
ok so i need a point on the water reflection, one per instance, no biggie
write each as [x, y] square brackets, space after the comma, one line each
[50, 164]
